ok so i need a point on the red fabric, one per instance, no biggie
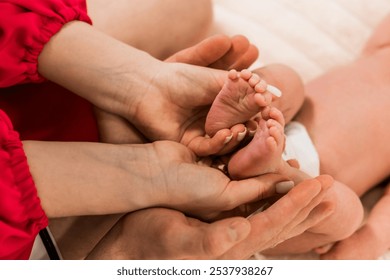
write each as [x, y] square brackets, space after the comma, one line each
[48, 112]
[25, 27]
[21, 215]
[38, 112]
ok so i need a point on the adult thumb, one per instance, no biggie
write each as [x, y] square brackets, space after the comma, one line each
[220, 236]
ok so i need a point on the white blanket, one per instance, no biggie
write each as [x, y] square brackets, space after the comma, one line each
[310, 36]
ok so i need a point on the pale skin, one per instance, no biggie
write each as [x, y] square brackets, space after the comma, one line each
[87, 231]
[108, 78]
[113, 247]
[237, 102]
[340, 120]
[78, 237]
[119, 91]
[373, 238]
[166, 234]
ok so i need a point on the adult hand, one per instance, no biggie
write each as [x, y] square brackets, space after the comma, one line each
[197, 189]
[299, 210]
[125, 178]
[125, 81]
[145, 91]
[219, 52]
[159, 233]
[167, 234]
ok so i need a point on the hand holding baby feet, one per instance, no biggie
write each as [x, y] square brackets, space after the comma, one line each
[242, 96]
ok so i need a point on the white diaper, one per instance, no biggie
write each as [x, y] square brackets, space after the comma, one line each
[300, 147]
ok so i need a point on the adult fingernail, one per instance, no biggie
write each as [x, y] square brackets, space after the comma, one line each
[274, 90]
[227, 139]
[284, 187]
[241, 135]
[252, 132]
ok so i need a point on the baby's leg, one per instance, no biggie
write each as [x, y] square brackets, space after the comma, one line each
[242, 96]
[372, 240]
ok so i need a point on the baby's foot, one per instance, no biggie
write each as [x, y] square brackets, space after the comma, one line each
[243, 95]
[264, 153]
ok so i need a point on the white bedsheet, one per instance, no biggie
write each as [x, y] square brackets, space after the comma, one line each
[310, 36]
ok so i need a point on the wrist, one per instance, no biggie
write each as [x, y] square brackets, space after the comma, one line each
[108, 73]
[75, 179]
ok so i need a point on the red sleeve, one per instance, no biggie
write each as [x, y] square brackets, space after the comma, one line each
[25, 27]
[21, 214]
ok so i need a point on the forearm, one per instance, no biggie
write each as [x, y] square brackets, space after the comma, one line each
[90, 178]
[97, 67]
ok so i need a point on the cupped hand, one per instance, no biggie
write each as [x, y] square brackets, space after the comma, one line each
[184, 121]
[199, 190]
[300, 209]
[158, 233]
[182, 92]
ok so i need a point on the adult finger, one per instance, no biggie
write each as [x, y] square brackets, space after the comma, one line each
[314, 210]
[219, 52]
[204, 53]
[247, 59]
[223, 142]
[277, 222]
[204, 146]
[240, 54]
[210, 241]
[254, 189]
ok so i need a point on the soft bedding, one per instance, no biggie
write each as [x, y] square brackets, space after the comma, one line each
[310, 36]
